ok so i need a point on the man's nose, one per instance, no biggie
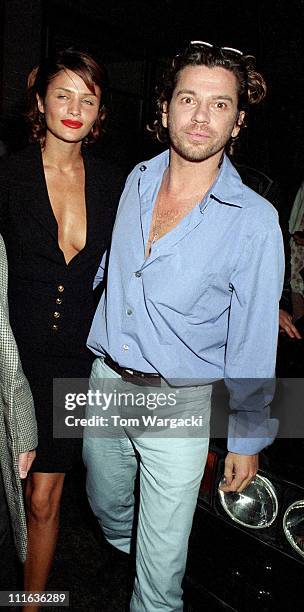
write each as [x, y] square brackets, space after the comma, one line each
[201, 113]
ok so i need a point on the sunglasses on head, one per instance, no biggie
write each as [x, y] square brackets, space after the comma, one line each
[202, 43]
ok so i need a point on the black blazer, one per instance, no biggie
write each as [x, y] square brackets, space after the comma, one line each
[52, 303]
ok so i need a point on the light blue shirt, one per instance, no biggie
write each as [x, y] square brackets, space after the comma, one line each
[204, 305]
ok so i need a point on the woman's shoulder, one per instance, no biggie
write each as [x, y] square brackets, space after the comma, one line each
[21, 163]
[102, 169]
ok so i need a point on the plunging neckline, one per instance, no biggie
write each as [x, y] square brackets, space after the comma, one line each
[52, 214]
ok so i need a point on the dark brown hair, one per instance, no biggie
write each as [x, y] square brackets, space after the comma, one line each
[39, 78]
[251, 85]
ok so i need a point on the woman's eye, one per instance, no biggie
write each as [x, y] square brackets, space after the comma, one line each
[187, 100]
[89, 102]
[220, 105]
[62, 97]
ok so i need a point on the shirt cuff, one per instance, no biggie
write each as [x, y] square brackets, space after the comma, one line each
[250, 432]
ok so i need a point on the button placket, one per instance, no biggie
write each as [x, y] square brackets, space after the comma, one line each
[58, 302]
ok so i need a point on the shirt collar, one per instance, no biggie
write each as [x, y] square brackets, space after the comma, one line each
[226, 189]
[228, 186]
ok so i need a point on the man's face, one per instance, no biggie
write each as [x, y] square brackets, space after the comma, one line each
[202, 114]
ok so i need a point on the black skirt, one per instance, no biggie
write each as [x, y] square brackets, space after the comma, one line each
[53, 454]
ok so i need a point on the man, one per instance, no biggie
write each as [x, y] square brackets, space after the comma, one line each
[194, 280]
[18, 438]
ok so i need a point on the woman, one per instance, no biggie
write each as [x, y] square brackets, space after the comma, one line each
[58, 204]
[18, 438]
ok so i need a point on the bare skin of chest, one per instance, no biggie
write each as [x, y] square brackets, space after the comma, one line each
[168, 212]
[67, 196]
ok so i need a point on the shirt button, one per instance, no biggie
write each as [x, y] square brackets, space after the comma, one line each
[143, 168]
[60, 288]
[125, 347]
[129, 311]
[58, 301]
[138, 274]
[56, 315]
[55, 328]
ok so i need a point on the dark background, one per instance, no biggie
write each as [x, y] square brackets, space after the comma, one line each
[134, 38]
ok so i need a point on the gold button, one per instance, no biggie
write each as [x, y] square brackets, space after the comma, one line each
[55, 327]
[60, 288]
[56, 314]
[58, 301]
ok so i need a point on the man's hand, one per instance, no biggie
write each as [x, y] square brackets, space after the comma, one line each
[239, 471]
[286, 325]
[25, 461]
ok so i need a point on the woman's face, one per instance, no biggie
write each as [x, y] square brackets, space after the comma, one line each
[70, 108]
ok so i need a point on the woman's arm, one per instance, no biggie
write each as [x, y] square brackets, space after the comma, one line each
[20, 407]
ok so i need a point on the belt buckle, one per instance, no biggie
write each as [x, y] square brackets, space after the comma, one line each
[140, 380]
[128, 375]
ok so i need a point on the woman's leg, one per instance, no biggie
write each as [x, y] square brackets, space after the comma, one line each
[43, 495]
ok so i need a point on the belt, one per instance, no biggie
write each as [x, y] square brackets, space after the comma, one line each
[145, 379]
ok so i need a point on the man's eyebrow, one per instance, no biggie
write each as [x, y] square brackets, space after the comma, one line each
[186, 91]
[194, 93]
[223, 97]
[72, 91]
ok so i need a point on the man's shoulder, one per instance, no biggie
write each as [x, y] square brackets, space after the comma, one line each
[253, 199]
[255, 179]
[232, 189]
[261, 214]
[155, 164]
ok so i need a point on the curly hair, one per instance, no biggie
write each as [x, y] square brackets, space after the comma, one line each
[39, 78]
[250, 83]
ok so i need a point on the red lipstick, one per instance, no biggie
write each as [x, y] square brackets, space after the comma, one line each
[75, 125]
